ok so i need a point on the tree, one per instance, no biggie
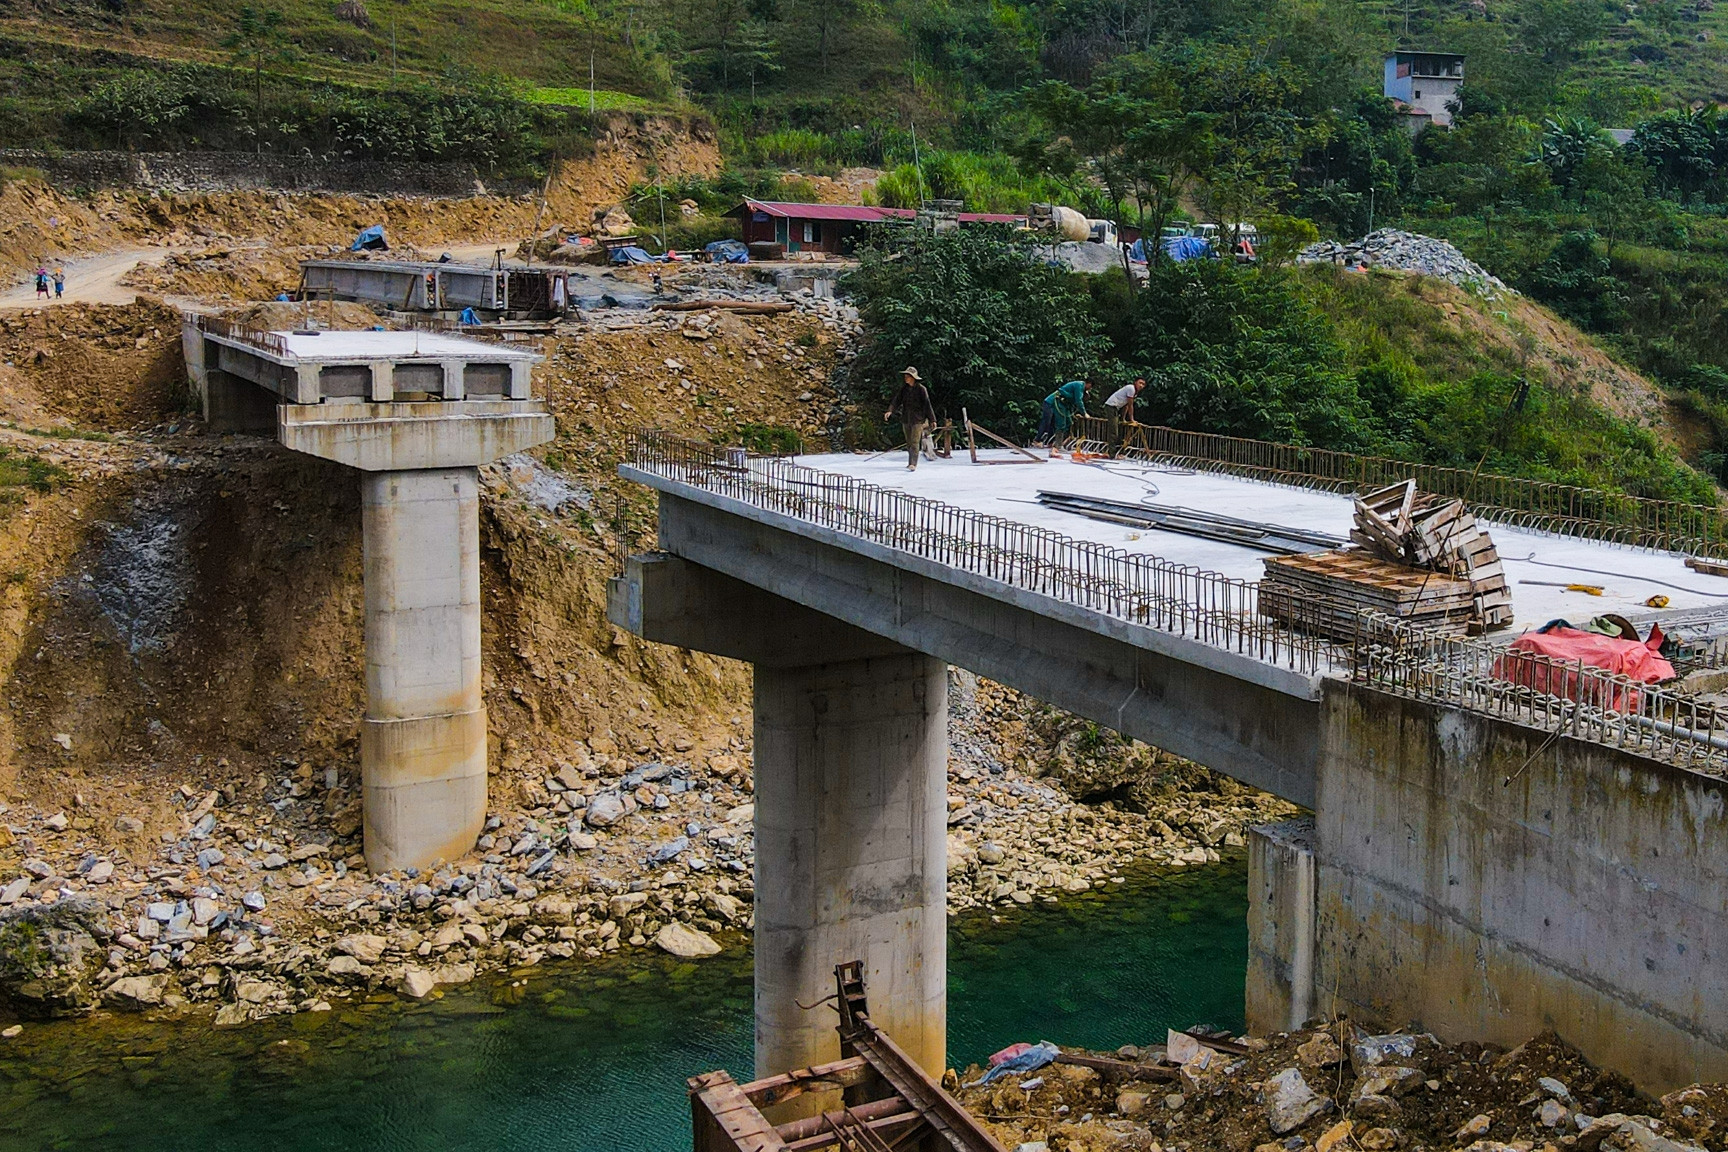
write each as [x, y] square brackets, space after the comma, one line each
[992, 327]
[258, 40]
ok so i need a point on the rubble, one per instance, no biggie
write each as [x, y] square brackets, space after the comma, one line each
[1265, 1094]
[1403, 251]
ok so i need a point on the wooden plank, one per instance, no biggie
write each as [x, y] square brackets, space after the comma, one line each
[1706, 566]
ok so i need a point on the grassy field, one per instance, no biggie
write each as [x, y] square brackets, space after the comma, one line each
[599, 99]
[533, 41]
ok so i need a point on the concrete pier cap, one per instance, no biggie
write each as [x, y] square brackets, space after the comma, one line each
[417, 414]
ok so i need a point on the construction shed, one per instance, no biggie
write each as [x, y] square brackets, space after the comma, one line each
[830, 228]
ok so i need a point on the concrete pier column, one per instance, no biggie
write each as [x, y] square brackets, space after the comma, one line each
[851, 859]
[423, 740]
[1281, 926]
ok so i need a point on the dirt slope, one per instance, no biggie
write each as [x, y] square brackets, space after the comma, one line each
[39, 223]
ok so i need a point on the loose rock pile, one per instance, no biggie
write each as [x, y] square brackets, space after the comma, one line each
[1408, 252]
[251, 909]
[1339, 1087]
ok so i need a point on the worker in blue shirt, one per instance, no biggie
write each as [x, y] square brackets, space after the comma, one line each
[1060, 408]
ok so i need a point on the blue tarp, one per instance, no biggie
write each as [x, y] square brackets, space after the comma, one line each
[630, 254]
[468, 317]
[1181, 248]
[1137, 252]
[370, 240]
[727, 252]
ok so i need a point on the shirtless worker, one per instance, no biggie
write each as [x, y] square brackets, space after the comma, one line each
[917, 414]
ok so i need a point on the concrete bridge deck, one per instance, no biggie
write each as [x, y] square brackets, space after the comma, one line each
[1483, 857]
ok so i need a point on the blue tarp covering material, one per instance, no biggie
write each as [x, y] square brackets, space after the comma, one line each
[370, 240]
[1137, 252]
[727, 252]
[1181, 248]
[468, 317]
[630, 254]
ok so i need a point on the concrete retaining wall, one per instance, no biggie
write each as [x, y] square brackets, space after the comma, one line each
[227, 171]
[1588, 894]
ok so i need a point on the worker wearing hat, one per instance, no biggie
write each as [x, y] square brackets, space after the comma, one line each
[917, 414]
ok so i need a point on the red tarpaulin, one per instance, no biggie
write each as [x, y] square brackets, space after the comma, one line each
[1566, 648]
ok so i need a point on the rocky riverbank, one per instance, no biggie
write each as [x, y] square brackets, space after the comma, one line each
[253, 904]
[1339, 1088]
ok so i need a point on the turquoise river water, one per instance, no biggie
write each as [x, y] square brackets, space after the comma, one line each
[593, 1056]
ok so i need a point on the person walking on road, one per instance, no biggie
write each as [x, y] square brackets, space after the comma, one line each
[1119, 407]
[41, 283]
[1060, 408]
[59, 283]
[917, 414]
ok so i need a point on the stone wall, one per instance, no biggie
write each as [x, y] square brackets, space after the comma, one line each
[1485, 882]
[226, 171]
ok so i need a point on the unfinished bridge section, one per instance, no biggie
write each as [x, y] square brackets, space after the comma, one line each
[1440, 880]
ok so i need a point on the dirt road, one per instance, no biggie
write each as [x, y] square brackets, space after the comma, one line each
[89, 279]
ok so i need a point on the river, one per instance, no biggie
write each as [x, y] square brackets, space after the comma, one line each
[593, 1056]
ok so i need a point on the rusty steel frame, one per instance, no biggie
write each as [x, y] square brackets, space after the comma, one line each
[888, 1103]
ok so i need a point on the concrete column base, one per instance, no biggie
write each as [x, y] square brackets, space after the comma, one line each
[424, 787]
[851, 863]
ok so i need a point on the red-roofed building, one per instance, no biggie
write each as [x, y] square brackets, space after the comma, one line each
[829, 228]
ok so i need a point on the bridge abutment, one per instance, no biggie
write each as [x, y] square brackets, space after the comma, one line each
[1486, 880]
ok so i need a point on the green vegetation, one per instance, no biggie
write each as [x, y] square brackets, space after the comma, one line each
[601, 100]
[1309, 357]
[20, 473]
[990, 326]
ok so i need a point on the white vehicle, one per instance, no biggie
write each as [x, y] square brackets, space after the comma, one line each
[1102, 231]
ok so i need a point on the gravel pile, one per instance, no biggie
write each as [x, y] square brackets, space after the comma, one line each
[1408, 252]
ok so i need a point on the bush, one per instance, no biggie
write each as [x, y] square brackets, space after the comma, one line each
[1575, 281]
[1237, 351]
[991, 326]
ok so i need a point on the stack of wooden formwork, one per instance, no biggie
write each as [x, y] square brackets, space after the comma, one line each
[1419, 558]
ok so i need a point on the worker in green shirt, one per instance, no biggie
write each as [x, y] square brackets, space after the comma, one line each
[1060, 408]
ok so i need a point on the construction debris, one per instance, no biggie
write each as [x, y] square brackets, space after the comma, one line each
[1408, 252]
[1327, 592]
[1339, 1086]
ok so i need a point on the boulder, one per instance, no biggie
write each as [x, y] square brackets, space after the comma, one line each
[418, 983]
[346, 967]
[1320, 1052]
[136, 991]
[365, 948]
[605, 810]
[1336, 1134]
[1371, 1051]
[50, 956]
[684, 941]
[1386, 1080]
[1290, 1103]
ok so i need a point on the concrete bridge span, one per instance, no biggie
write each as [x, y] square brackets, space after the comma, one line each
[1482, 862]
